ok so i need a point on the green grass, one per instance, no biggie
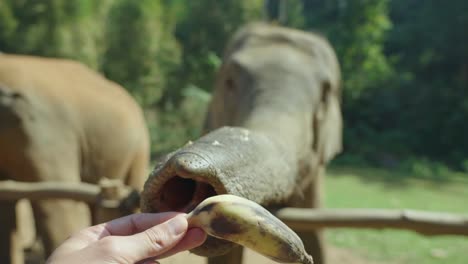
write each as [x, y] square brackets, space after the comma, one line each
[375, 188]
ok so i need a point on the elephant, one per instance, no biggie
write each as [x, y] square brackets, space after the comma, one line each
[62, 121]
[272, 126]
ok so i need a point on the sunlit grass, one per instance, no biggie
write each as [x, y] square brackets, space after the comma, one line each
[376, 188]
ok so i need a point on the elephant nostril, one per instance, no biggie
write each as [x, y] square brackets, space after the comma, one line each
[177, 193]
[181, 194]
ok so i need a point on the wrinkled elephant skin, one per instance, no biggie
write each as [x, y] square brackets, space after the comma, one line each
[274, 122]
[61, 121]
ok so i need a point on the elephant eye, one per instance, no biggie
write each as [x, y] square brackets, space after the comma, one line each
[326, 90]
[230, 85]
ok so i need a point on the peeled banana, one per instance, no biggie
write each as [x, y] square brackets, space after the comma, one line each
[244, 222]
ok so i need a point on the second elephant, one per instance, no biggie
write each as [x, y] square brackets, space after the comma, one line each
[61, 121]
[274, 123]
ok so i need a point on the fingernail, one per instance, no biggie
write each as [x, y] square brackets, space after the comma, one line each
[198, 235]
[178, 225]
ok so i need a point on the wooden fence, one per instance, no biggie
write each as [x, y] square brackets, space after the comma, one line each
[113, 194]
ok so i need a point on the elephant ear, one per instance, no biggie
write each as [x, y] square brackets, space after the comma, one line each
[328, 124]
[327, 119]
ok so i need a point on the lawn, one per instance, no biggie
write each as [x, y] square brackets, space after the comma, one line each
[376, 188]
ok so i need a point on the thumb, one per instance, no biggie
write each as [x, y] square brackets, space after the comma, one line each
[153, 241]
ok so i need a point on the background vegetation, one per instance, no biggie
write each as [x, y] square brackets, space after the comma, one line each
[404, 62]
[405, 81]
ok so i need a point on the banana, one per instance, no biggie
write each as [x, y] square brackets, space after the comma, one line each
[244, 222]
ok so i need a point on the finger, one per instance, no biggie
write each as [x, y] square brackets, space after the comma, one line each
[137, 223]
[152, 242]
[127, 225]
[192, 239]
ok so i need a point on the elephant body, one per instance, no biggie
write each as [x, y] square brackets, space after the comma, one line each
[273, 124]
[61, 121]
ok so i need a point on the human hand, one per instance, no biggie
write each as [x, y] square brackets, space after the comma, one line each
[137, 238]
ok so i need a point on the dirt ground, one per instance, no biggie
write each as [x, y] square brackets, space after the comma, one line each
[335, 256]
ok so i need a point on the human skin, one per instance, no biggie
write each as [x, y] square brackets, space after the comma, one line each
[137, 238]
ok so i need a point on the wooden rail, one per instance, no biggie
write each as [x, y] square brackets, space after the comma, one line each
[107, 191]
[299, 219]
[423, 222]
[14, 190]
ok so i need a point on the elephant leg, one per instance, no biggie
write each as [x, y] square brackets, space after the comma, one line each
[11, 250]
[233, 257]
[314, 241]
[57, 219]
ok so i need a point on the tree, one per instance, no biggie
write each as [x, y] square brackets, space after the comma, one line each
[203, 31]
[285, 12]
[430, 49]
[140, 48]
[357, 30]
[53, 28]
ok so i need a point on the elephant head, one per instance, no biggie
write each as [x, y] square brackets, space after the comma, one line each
[274, 119]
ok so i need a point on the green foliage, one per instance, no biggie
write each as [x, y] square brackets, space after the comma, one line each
[357, 31]
[404, 63]
[430, 47]
[138, 54]
[422, 110]
[172, 126]
[53, 28]
[286, 12]
[405, 75]
[8, 24]
[203, 30]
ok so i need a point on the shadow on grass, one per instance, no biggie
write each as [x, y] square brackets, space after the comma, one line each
[399, 177]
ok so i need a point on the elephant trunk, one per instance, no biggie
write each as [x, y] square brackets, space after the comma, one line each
[228, 160]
